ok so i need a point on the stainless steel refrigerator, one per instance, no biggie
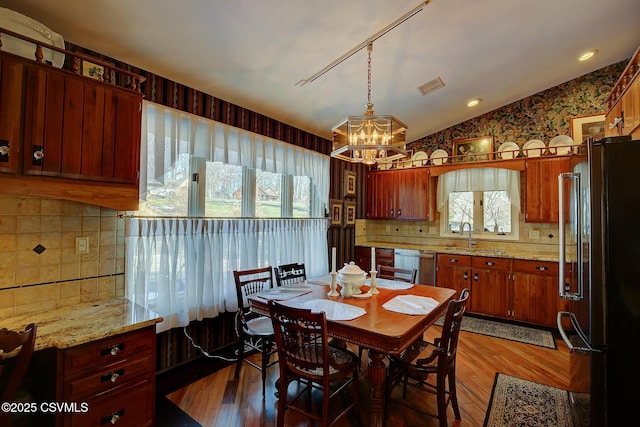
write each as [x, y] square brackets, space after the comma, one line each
[600, 276]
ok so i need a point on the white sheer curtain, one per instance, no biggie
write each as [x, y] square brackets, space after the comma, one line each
[183, 268]
[174, 132]
[479, 179]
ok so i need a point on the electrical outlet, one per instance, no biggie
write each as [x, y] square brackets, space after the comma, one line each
[534, 234]
[82, 245]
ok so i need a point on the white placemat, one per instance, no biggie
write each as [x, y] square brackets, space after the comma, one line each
[411, 304]
[390, 284]
[321, 280]
[334, 310]
[284, 292]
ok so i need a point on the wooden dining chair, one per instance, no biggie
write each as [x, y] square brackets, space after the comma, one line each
[16, 366]
[306, 357]
[255, 332]
[290, 274]
[396, 273]
[422, 361]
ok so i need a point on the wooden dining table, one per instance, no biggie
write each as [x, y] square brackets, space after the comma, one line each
[381, 331]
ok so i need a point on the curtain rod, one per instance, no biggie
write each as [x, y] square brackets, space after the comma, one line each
[208, 217]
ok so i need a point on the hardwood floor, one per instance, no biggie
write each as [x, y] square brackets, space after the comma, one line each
[219, 399]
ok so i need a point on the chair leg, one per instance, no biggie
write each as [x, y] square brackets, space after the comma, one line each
[282, 400]
[240, 355]
[441, 397]
[453, 393]
[266, 347]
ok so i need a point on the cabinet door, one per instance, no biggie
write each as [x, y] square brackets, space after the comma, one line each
[490, 283]
[11, 77]
[535, 296]
[413, 194]
[381, 194]
[541, 187]
[453, 272]
[79, 128]
[630, 103]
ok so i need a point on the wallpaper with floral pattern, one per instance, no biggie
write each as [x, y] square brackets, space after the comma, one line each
[543, 116]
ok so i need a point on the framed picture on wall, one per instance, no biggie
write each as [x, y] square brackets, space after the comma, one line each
[335, 207]
[473, 149]
[587, 126]
[349, 214]
[349, 184]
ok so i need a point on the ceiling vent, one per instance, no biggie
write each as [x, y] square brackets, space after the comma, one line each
[431, 86]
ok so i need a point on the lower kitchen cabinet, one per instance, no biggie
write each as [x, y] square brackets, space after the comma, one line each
[490, 282]
[454, 272]
[384, 256]
[535, 296]
[521, 290]
[115, 377]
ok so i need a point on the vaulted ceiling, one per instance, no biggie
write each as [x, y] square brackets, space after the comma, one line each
[252, 53]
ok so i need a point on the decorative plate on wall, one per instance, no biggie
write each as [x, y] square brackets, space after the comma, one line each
[439, 157]
[508, 150]
[534, 148]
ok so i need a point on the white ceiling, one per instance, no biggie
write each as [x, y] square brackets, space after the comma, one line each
[252, 53]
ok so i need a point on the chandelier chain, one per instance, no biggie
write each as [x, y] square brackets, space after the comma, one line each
[370, 47]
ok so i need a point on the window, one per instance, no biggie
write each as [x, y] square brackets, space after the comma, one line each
[486, 198]
[223, 190]
[488, 212]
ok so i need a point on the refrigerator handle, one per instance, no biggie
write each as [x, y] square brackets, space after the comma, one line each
[577, 204]
[586, 348]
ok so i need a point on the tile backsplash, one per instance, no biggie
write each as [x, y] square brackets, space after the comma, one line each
[39, 267]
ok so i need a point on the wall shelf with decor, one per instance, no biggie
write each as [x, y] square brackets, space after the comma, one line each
[623, 103]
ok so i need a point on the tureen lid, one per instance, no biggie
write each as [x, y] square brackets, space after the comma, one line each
[351, 268]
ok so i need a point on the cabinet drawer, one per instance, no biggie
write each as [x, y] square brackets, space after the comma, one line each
[454, 260]
[503, 264]
[132, 407]
[108, 377]
[109, 350]
[536, 267]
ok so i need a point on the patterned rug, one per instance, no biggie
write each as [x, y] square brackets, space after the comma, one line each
[517, 402]
[507, 331]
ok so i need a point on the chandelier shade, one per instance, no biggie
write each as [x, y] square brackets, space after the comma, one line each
[369, 138]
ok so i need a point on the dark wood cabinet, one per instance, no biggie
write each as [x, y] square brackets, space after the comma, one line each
[535, 294]
[490, 283]
[399, 194]
[384, 256]
[11, 83]
[68, 136]
[78, 128]
[454, 272]
[541, 187]
[115, 377]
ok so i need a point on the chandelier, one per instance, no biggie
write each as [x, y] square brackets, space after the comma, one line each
[369, 138]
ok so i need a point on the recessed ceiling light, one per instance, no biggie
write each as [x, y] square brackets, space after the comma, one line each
[473, 102]
[587, 55]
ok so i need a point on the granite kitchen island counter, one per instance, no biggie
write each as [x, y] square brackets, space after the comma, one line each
[77, 324]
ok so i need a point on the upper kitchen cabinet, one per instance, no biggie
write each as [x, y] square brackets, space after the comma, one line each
[78, 128]
[399, 194]
[541, 187]
[623, 115]
[69, 136]
[11, 75]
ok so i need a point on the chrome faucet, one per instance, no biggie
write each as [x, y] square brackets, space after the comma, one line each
[462, 232]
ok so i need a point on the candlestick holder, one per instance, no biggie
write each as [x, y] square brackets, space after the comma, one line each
[374, 286]
[334, 285]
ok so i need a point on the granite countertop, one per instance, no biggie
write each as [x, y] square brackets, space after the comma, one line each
[512, 253]
[73, 325]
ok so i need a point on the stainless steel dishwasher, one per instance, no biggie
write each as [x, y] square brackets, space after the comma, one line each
[423, 261]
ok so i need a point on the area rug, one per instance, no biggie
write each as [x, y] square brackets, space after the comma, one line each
[517, 402]
[507, 331]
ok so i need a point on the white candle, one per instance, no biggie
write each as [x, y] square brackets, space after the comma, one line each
[373, 258]
[333, 259]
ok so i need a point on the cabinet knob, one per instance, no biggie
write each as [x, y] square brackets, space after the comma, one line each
[115, 350]
[4, 150]
[400, 212]
[475, 277]
[466, 275]
[489, 263]
[114, 377]
[392, 212]
[114, 418]
[542, 268]
[453, 260]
